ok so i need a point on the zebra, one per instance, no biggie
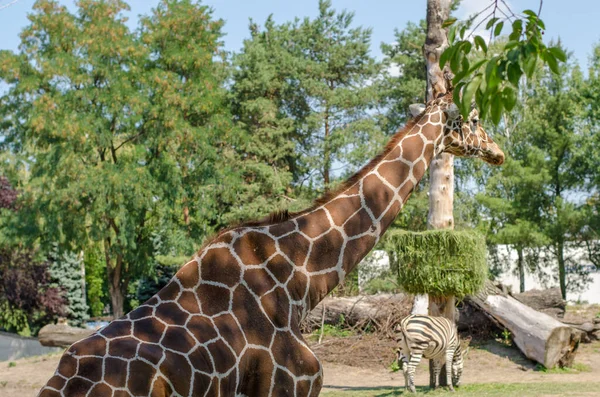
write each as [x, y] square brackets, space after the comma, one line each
[435, 338]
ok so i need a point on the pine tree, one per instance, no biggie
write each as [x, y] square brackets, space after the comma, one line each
[66, 272]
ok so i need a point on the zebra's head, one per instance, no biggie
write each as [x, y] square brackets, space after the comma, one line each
[458, 360]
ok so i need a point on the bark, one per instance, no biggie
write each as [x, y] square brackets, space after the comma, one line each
[561, 269]
[441, 192]
[539, 336]
[521, 268]
[441, 170]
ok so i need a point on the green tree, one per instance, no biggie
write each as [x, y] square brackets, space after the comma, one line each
[116, 130]
[530, 201]
[263, 91]
[334, 74]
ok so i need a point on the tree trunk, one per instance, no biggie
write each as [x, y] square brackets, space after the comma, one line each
[521, 267]
[539, 336]
[561, 269]
[441, 170]
[116, 285]
[441, 192]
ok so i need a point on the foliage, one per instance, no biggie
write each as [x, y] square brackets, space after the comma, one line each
[28, 300]
[164, 270]
[438, 262]
[492, 81]
[66, 274]
[405, 79]
[8, 195]
[306, 83]
[95, 281]
[116, 151]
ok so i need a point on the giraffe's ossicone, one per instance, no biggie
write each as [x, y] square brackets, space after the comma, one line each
[228, 323]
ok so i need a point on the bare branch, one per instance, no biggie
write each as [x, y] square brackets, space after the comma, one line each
[9, 4]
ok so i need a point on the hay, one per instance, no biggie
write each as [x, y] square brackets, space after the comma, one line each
[438, 262]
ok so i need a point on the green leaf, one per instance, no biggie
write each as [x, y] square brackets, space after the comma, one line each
[496, 108]
[491, 74]
[558, 53]
[530, 63]
[446, 55]
[514, 73]
[480, 43]
[530, 13]
[476, 66]
[468, 94]
[552, 63]
[451, 34]
[498, 28]
[517, 30]
[456, 93]
[509, 95]
[448, 22]
[491, 23]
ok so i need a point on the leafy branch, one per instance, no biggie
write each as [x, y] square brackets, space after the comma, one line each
[491, 79]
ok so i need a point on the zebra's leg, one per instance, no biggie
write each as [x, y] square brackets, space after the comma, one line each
[415, 359]
[403, 364]
[437, 367]
[449, 357]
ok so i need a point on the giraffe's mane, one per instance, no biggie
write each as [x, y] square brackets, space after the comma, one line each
[284, 215]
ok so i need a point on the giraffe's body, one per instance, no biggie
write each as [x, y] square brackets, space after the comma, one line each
[228, 323]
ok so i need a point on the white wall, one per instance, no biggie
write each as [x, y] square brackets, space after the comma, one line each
[378, 261]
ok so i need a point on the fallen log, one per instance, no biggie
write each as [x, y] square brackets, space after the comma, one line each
[381, 311]
[61, 335]
[539, 336]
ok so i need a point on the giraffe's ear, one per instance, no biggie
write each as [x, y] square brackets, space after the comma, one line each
[416, 109]
[452, 112]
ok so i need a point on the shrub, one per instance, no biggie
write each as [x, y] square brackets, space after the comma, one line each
[27, 298]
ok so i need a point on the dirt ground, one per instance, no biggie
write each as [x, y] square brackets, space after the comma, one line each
[362, 361]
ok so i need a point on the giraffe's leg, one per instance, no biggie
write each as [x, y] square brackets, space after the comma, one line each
[415, 359]
[449, 356]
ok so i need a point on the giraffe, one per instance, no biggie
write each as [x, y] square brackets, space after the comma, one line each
[228, 322]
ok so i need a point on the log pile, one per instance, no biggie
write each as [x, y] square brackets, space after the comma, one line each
[547, 301]
[379, 312]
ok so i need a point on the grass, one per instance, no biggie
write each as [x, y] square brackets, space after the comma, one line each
[576, 368]
[12, 364]
[334, 331]
[483, 390]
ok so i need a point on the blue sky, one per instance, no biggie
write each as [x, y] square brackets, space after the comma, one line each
[576, 22]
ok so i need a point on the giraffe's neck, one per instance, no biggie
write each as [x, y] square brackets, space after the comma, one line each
[345, 228]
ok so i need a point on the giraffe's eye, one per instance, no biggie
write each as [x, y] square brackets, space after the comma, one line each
[475, 121]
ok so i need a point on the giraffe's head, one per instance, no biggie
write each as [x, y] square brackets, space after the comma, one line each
[464, 138]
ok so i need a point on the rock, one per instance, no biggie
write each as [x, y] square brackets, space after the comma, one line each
[61, 335]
